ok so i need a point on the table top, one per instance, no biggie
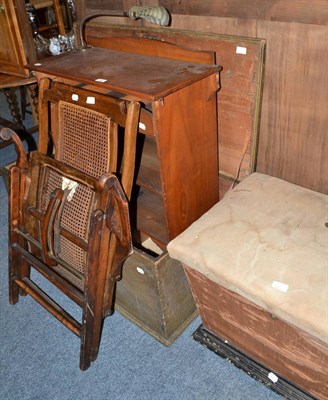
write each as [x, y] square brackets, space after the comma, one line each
[8, 81]
[144, 77]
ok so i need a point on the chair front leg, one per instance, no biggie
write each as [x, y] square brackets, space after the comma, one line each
[17, 181]
[15, 259]
[25, 272]
[92, 317]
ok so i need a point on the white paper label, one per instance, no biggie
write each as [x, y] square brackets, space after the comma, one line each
[70, 185]
[282, 287]
[37, 64]
[91, 100]
[142, 126]
[101, 80]
[140, 270]
[273, 377]
[75, 97]
[241, 50]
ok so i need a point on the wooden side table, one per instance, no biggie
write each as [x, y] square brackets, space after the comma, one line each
[177, 169]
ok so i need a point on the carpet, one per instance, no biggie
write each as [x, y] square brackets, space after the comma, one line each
[39, 357]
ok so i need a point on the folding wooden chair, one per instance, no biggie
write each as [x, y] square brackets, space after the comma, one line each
[69, 216]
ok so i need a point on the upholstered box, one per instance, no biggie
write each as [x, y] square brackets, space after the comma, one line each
[257, 263]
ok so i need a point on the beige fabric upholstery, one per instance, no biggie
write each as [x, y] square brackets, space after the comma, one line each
[266, 230]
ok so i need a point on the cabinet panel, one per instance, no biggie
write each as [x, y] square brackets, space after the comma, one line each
[12, 57]
[151, 216]
[187, 145]
[149, 172]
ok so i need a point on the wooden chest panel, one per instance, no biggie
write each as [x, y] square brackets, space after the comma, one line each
[279, 346]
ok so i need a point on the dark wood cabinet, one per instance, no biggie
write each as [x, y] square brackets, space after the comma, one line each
[12, 57]
[16, 49]
[16, 44]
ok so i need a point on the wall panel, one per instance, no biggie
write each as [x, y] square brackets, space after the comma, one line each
[294, 131]
[304, 11]
[294, 122]
[214, 24]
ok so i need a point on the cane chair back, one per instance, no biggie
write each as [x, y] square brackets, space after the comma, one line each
[69, 216]
[85, 127]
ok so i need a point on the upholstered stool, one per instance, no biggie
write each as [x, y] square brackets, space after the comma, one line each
[257, 263]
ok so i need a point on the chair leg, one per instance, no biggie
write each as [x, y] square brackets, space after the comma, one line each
[96, 337]
[25, 272]
[92, 323]
[33, 92]
[22, 90]
[18, 268]
[92, 319]
[90, 338]
[14, 266]
[14, 217]
[14, 109]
